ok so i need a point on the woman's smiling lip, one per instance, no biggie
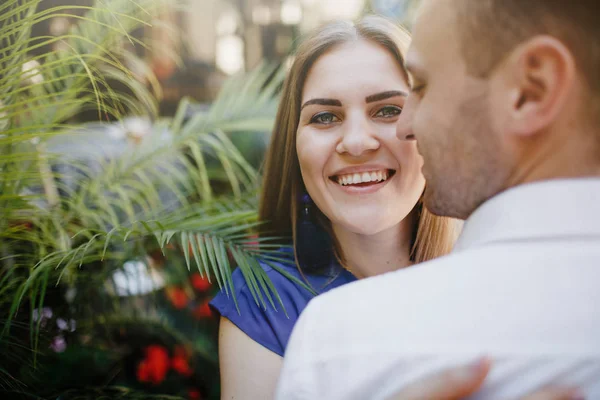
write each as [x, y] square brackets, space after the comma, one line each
[362, 190]
[379, 177]
[360, 168]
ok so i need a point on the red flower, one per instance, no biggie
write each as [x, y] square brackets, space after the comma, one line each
[177, 296]
[181, 366]
[179, 362]
[143, 371]
[203, 310]
[199, 283]
[180, 351]
[155, 366]
[194, 394]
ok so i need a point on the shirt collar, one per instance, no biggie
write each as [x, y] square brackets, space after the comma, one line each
[540, 210]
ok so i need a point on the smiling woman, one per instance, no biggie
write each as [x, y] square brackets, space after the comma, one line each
[340, 183]
[356, 142]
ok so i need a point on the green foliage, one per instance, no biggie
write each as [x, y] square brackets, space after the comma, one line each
[185, 186]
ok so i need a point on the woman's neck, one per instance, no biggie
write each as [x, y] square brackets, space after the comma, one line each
[370, 255]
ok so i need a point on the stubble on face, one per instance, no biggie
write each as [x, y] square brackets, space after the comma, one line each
[464, 165]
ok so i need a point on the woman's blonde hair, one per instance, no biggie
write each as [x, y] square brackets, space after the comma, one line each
[282, 186]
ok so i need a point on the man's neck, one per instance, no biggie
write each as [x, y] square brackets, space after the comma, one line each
[576, 157]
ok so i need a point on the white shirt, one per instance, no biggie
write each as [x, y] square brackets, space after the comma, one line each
[521, 286]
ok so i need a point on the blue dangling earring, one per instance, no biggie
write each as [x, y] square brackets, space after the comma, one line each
[313, 243]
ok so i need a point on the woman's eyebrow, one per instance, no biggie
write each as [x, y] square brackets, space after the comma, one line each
[369, 99]
[322, 102]
[385, 95]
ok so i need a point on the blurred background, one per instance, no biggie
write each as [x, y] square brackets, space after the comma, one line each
[131, 139]
[197, 44]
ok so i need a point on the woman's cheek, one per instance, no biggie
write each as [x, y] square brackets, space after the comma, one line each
[308, 159]
[312, 148]
[301, 149]
[408, 155]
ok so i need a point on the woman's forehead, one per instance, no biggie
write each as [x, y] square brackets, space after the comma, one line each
[356, 67]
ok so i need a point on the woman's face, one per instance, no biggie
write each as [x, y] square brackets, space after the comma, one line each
[354, 168]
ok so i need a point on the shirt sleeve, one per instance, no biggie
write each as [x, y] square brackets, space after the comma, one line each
[268, 326]
[298, 380]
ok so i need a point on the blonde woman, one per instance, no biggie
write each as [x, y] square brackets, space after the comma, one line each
[340, 183]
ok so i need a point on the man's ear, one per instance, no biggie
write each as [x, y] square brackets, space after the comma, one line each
[540, 75]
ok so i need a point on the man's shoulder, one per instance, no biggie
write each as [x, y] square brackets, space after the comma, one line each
[376, 302]
[494, 264]
[488, 294]
[512, 298]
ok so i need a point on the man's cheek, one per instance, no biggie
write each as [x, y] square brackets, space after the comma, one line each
[421, 130]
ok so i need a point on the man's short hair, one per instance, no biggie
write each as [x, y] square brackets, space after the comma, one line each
[491, 29]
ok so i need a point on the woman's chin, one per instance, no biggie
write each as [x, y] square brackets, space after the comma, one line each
[366, 226]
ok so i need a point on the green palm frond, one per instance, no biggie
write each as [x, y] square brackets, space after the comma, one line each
[208, 235]
[48, 89]
[39, 94]
[185, 185]
[204, 138]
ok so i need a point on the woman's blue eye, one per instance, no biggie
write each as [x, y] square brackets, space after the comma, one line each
[324, 118]
[389, 111]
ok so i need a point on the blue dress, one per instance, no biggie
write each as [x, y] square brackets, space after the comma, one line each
[270, 327]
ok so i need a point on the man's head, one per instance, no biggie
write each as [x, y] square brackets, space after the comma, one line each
[503, 92]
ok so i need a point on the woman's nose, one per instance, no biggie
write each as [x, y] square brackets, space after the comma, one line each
[359, 136]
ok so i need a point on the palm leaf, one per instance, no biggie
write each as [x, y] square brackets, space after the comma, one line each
[186, 184]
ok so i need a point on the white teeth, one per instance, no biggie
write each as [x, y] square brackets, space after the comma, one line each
[365, 177]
